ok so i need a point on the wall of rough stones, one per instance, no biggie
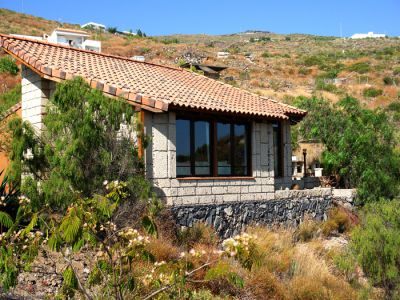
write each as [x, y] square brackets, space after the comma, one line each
[228, 219]
[161, 167]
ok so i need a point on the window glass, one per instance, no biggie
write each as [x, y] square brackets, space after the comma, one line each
[197, 140]
[224, 149]
[183, 148]
[202, 148]
[240, 150]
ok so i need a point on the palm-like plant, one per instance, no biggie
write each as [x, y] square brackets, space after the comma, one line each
[8, 195]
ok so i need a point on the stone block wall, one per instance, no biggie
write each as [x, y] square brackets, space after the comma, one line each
[229, 219]
[161, 167]
[35, 94]
[286, 180]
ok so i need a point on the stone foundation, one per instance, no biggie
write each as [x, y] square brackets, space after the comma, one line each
[229, 219]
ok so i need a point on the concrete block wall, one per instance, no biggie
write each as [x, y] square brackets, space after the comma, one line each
[286, 180]
[35, 94]
[161, 167]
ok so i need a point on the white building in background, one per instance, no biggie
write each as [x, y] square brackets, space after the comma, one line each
[94, 26]
[367, 35]
[74, 38]
[67, 37]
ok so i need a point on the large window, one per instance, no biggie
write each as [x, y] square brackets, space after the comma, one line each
[207, 147]
[278, 149]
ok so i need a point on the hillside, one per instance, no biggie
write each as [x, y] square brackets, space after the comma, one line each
[281, 66]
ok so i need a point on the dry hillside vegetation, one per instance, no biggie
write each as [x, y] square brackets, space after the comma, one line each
[280, 66]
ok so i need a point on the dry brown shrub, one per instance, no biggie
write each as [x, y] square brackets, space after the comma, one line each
[199, 234]
[338, 222]
[307, 230]
[275, 247]
[163, 250]
[265, 285]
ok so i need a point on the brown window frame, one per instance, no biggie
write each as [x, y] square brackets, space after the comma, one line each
[213, 120]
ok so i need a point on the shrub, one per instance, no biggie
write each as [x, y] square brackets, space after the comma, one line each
[320, 84]
[8, 65]
[199, 233]
[307, 230]
[112, 30]
[360, 145]
[314, 60]
[372, 92]
[223, 279]
[377, 242]
[387, 80]
[265, 285]
[288, 38]
[170, 41]
[266, 54]
[396, 71]
[304, 71]
[338, 221]
[360, 67]
[10, 98]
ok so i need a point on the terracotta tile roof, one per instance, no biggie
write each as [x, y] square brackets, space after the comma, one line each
[150, 86]
[72, 31]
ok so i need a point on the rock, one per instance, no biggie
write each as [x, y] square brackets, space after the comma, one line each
[228, 211]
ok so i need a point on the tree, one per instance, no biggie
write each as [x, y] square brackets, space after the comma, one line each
[360, 145]
[88, 138]
[139, 33]
[376, 243]
[112, 30]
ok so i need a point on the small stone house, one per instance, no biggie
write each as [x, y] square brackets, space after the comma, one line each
[211, 143]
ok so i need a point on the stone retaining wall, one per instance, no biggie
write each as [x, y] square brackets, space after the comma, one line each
[229, 219]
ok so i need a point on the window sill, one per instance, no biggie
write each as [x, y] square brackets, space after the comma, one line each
[218, 178]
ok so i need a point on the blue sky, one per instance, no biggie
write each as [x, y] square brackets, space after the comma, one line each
[221, 17]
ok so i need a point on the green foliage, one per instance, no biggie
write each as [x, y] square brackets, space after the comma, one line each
[376, 242]
[8, 65]
[372, 92]
[223, 271]
[321, 84]
[170, 41]
[80, 147]
[360, 67]
[304, 71]
[387, 80]
[360, 145]
[112, 30]
[10, 98]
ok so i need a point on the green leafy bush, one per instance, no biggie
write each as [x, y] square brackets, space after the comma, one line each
[387, 80]
[304, 71]
[377, 242]
[8, 65]
[360, 145]
[360, 67]
[372, 92]
[10, 98]
[80, 148]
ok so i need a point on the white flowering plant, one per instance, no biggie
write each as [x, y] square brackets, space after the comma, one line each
[241, 247]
